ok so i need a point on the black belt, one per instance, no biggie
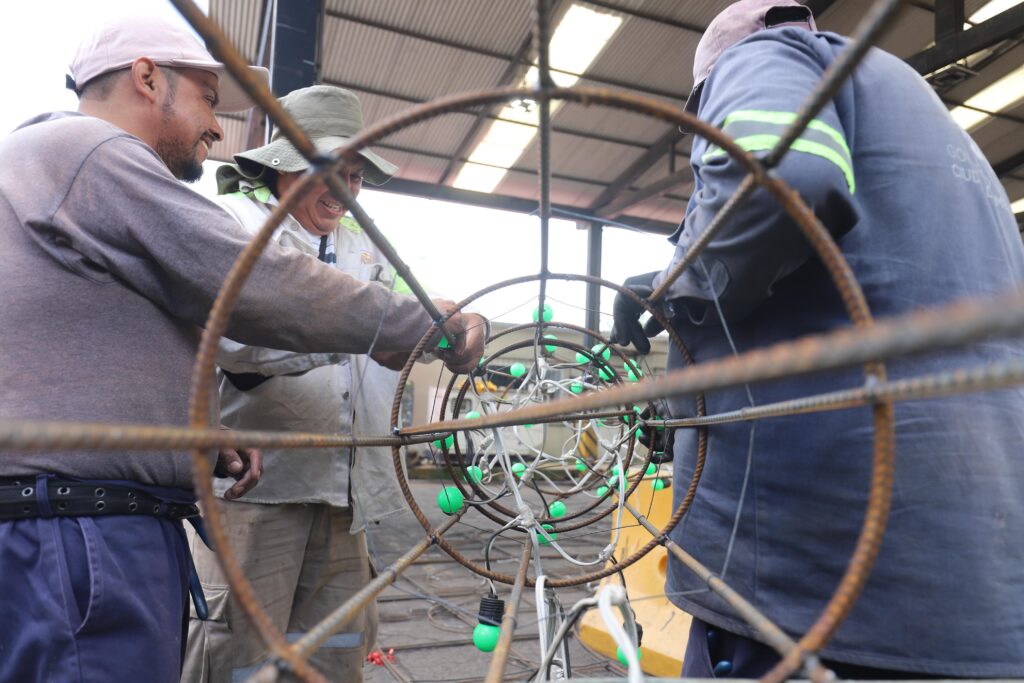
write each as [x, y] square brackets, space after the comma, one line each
[68, 498]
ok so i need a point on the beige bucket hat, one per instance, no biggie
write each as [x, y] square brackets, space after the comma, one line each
[330, 116]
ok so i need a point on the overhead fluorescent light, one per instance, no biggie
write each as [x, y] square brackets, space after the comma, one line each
[989, 10]
[479, 178]
[580, 37]
[1018, 206]
[1003, 93]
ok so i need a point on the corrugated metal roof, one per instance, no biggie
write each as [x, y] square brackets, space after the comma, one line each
[397, 53]
[415, 166]
[612, 122]
[581, 158]
[240, 19]
[409, 66]
[499, 25]
[519, 184]
[996, 70]
[650, 55]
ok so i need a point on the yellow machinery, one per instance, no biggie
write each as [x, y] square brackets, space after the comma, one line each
[666, 628]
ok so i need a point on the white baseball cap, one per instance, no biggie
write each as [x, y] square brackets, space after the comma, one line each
[117, 44]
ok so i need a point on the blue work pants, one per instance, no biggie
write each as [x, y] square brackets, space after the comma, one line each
[87, 599]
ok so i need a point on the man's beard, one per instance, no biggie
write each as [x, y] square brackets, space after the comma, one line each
[180, 161]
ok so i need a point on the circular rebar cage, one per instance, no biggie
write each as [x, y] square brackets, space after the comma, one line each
[475, 456]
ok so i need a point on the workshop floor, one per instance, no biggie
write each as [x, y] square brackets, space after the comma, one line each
[427, 616]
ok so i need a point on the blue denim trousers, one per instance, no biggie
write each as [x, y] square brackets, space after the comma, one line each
[87, 599]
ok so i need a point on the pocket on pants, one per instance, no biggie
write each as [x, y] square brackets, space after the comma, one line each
[76, 543]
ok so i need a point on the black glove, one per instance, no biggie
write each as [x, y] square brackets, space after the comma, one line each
[627, 329]
[660, 441]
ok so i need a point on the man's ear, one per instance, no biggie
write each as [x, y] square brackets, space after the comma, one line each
[146, 79]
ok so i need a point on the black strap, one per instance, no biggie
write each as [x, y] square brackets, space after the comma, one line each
[323, 249]
[21, 499]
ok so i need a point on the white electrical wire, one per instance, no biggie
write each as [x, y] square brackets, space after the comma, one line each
[613, 594]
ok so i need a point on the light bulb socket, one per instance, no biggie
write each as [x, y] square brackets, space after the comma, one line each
[491, 610]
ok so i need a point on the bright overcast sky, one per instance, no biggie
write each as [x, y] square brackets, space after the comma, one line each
[454, 249]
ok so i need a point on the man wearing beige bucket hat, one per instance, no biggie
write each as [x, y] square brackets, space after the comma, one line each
[307, 517]
[111, 266]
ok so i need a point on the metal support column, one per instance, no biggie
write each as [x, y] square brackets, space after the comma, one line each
[295, 58]
[594, 235]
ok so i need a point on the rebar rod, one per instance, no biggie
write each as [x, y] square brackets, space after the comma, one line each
[774, 636]
[542, 22]
[939, 385]
[51, 435]
[508, 620]
[947, 326]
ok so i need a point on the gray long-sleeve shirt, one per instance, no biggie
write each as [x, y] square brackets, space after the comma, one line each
[110, 267]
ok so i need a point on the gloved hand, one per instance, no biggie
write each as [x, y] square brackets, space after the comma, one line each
[627, 329]
[660, 441]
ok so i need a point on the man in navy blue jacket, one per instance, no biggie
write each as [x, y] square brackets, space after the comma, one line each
[922, 219]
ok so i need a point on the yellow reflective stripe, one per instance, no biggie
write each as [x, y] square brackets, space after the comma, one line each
[401, 286]
[262, 194]
[764, 142]
[783, 118]
[351, 225]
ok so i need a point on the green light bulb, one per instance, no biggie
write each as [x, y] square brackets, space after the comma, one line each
[616, 470]
[517, 370]
[528, 426]
[658, 484]
[620, 655]
[518, 469]
[601, 490]
[601, 350]
[606, 374]
[551, 532]
[473, 473]
[557, 509]
[576, 387]
[549, 313]
[450, 500]
[651, 469]
[633, 376]
[447, 443]
[550, 348]
[580, 465]
[472, 415]
[485, 637]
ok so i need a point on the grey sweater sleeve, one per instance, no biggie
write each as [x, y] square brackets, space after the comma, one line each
[125, 218]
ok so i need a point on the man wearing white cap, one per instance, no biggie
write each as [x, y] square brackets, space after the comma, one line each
[781, 501]
[110, 267]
